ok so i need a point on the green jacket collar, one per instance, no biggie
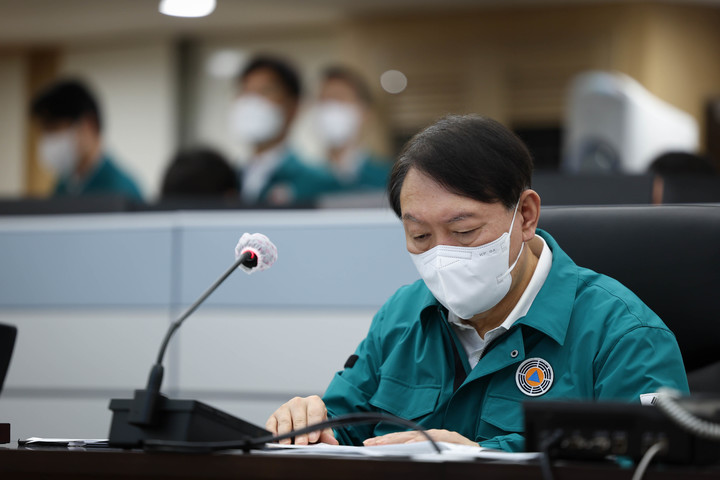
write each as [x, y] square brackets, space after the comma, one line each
[99, 170]
[551, 310]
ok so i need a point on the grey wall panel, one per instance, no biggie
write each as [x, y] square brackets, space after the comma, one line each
[343, 258]
[271, 351]
[323, 262]
[85, 349]
[86, 267]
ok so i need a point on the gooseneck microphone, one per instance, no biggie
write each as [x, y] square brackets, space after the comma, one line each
[148, 413]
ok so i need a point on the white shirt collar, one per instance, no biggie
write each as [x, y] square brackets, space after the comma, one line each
[536, 282]
[473, 344]
[349, 166]
[258, 171]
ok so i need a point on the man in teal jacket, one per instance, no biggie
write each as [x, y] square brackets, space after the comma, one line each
[405, 366]
[501, 316]
[261, 117]
[71, 146]
[294, 181]
[342, 115]
[105, 178]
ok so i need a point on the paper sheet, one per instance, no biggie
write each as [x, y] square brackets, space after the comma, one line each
[418, 450]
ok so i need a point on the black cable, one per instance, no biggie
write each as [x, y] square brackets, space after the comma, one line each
[667, 402]
[249, 443]
[191, 309]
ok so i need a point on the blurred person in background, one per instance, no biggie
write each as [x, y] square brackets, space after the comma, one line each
[261, 116]
[200, 172]
[342, 112]
[71, 145]
[674, 164]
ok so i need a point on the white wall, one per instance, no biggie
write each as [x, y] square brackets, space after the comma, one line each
[136, 85]
[12, 125]
[67, 364]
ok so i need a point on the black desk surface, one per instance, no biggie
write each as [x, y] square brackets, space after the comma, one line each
[18, 463]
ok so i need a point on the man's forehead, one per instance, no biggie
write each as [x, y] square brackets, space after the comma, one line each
[450, 217]
[264, 78]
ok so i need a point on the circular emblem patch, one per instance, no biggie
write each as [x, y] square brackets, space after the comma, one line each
[534, 377]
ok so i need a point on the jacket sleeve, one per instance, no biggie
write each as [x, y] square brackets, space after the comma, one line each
[512, 442]
[351, 389]
[641, 361]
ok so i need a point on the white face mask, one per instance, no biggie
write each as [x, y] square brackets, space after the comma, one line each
[59, 151]
[255, 119]
[338, 123]
[468, 280]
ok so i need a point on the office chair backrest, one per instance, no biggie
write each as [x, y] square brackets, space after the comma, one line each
[691, 189]
[7, 343]
[564, 189]
[669, 255]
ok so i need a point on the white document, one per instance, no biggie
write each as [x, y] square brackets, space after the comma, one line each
[423, 451]
[64, 442]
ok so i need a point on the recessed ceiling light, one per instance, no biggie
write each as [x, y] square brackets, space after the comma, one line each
[393, 81]
[187, 8]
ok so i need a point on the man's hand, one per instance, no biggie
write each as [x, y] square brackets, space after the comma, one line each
[299, 413]
[414, 436]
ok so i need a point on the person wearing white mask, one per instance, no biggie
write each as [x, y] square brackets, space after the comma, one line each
[70, 143]
[261, 116]
[341, 114]
[500, 316]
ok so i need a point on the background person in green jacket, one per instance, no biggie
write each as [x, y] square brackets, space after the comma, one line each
[71, 145]
[501, 315]
[342, 113]
[261, 116]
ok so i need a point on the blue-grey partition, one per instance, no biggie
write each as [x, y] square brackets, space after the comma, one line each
[92, 296]
[327, 259]
[339, 258]
[95, 261]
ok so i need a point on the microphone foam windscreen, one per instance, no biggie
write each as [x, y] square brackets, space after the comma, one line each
[261, 246]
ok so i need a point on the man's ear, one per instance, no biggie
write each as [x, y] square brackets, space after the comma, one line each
[529, 210]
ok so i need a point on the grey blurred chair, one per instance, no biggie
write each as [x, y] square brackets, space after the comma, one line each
[600, 189]
[691, 189]
[8, 333]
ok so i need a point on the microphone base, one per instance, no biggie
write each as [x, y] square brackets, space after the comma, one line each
[178, 420]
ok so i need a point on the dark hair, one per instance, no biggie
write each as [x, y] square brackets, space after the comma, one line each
[469, 155]
[285, 72]
[199, 171]
[66, 100]
[682, 163]
[352, 78]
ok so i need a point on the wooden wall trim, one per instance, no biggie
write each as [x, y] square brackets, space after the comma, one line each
[42, 68]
